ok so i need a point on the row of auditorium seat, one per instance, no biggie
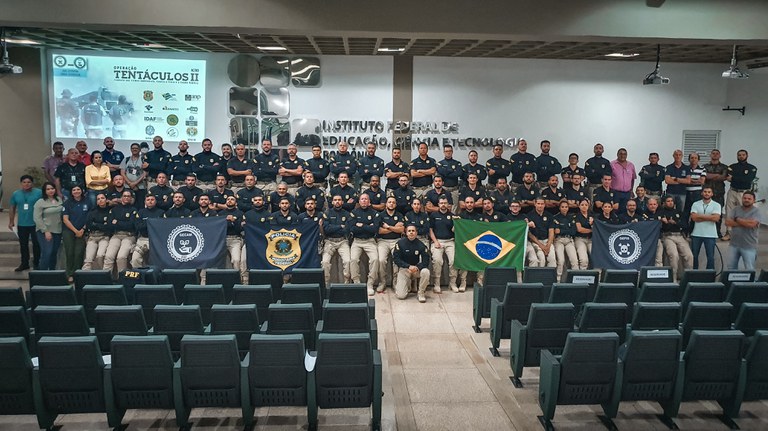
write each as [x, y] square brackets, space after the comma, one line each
[70, 375]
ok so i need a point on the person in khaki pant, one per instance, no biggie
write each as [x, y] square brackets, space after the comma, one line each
[364, 226]
[122, 221]
[140, 250]
[235, 220]
[412, 258]
[391, 230]
[565, 230]
[443, 246]
[98, 234]
[335, 228]
[675, 245]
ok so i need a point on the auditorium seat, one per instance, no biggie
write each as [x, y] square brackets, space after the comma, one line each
[12, 297]
[729, 276]
[60, 321]
[51, 295]
[655, 316]
[714, 370]
[16, 390]
[208, 375]
[205, 296]
[655, 274]
[85, 277]
[272, 277]
[94, 295]
[604, 317]
[352, 293]
[703, 292]
[547, 328]
[291, 319]
[14, 323]
[588, 276]
[347, 319]
[648, 368]
[741, 292]
[706, 316]
[697, 276]
[617, 292]
[763, 275]
[620, 276]
[70, 377]
[303, 294]
[135, 276]
[569, 293]
[545, 275]
[179, 278]
[240, 320]
[259, 295]
[112, 320]
[584, 375]
[140, 376]
[494, 285]
[276, 371]
[659, 292]
[515, 305]
[347, 374]
[310, 276]
[756, 375]
[752, 317]
[150, 295]
[227, 278]
[175, 321]
[47, 278]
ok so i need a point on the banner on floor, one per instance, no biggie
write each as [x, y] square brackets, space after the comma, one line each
[282, 247]
[627, 246]
[186, 243]
[482, 244]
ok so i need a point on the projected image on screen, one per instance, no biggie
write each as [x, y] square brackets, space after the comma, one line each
[128, 98]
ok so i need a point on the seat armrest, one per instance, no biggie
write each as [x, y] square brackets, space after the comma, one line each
[264, 327]
[549, 383]
[319, 326]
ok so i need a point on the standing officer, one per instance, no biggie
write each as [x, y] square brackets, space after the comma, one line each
[391, 229]
[394, 169]
[181, 164]
[523, 162]
[741, 175]
[449, 170]
[140, 250]
[376, 194]
[122, 221]
[412, 258]
[208, 166]
[423, 169]
[267, 166]
[191, 191]
[497, 167]
[343, 161]
[291, 168]
[369, 165]
[596, 167]
[443, 246]
[364, 225]
[156, 161]
[234, 239]
[336, 222]
[343, 189]
[715, 179]
[473, 168]
[319, 167]
[162, 192]
[244, 196]
[239, 167]
[310, 190]
[652, 176]
[546, 164]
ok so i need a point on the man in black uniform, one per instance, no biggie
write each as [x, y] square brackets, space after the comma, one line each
[219, 194]
[281, 193]
[69, 174]
[523, 162]
[542, 234]
[473, 168]
[527, 193]
[310, 190]
[226, 156]
[572, 169]
[501, 196]
[652, 176]
[203, 208]
[632, 215]
[497, 167]
[391, 229]
[552, 195]
[653, 212]
[444, 247]
[234, 242]
[547, 165]
[369, 165]
[181, 165]
[423, 169]
[575, 193]
[336, 222]
[291, 168]
[404, 195]
[156, 161]
[432, 198]
[675, 245]
[364, 226]
[208, 166]
[474, 190]
[140, 250]
[420, 219]
[284, 216]
[411, 256]
[343, 189]
[489, 212]
[319, 167]
[741, 175]
[178, 210]
[376, 194]
[122, 220]
[515, 214]
[394, 169]
[259, 212]
[191, 191]
[469, 212]
[245, 195]
[595, 168]
[239, 167]
[603, 194]
[311, 213]
[162, 191]
[343, 161]
[717, 173]
[267, 166]
[450, 171]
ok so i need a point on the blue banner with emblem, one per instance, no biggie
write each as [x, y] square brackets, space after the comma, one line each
[187, 243]
[626, 246]
[282, 247]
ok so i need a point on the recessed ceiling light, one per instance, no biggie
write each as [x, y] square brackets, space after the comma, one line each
[13, 41]
[622, 54]
[272, 48]
[391, 49]
[149, 45]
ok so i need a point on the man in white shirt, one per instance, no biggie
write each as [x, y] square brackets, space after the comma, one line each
[705, 214]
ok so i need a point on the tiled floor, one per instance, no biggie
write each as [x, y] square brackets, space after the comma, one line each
[438, 375]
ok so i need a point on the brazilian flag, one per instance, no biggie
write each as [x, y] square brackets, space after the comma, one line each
[482, 244]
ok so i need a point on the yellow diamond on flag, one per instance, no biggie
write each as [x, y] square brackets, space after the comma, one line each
[489, 247]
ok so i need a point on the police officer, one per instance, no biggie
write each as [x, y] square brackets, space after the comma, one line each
[69, 174]
[474, 190]
[140, 250]
[404, 195]
[280, 194]
[178, 209]
[542, 234]
[234, 240]
[311, 213]
[226, 156]
[575, 193]
[419, 218]
[115, 192]
[632, 215]
[244, 196]
[99, 230]
[741, 175]
[450, 171]
[343, 161]
[432, 197]
[717, 173]
[596, 167]
[604, 194]
[181, 164]
[527, 193]
[111, 157]
[156, 161]
[203, 208]
[369, 165]
[423, 169]
[516, 214]
[469, 211]
[258, 214]
[652, 176]
[291, 168]
[497, 167]
[267, 167]
[572, 169]
[523, 162]
[675, 245]
[336, 223]
[489, 211]
[552, 195]
[394, 170]
[411, 256]
[391, 229]
[239, 167]
[220, 193]
[564, 225]
[208, 166]
[284, 216]
[319, 167]
[444, 247]
[190, 191]
[501, 196]
[376, 194]
[133, 174]
[546, 165]
[364, 225]
[310, 190]
[162, 191]
[343, 189]
[473, 168]
[653, 212]
[122, 221]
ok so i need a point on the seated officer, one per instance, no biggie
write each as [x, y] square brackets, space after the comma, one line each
[564, 224]
[542, 234]
[244, 196]
[432, 197]
[469, 211]
[284, 216]
[178, 210]
[607, 214]
[420, 219]
[631, 215]
[376, 194]
[122, 220]
[162, 192]
[204, 208]
[604, 193]
[310, 212]
[552, 195]
[502, 196]
[280, 194]
[310, 190]
[348, 193]
[191, 191]
[220, 193]
[404, 195]
[474, 190]
[411, 256]
[140, 250]
[489, 211]
[527, 193]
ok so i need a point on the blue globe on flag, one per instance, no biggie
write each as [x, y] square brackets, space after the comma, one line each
[488, 247]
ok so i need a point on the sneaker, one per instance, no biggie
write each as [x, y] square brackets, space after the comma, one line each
[726, 237]
[381, 289]
[463, 288]
[437, 289]
[422, 298]
[370, 292]
[455, 289]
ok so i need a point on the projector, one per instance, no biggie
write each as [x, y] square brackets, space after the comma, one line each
[735, 73]
[655, 79]
[9, 69]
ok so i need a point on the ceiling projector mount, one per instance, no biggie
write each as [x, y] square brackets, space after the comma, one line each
[654, 78]
[733, 71]
[6, 68]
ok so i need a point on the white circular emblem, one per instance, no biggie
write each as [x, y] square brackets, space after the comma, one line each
[185, 243]
[625, 246]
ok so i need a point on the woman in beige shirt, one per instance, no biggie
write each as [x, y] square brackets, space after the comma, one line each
[47, 216]
[97, 177]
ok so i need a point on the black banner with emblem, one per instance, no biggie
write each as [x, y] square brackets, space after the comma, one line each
[627, 246]
[185, 243]
[284, 247]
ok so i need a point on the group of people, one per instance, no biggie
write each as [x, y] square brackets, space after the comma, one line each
[398, 214]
